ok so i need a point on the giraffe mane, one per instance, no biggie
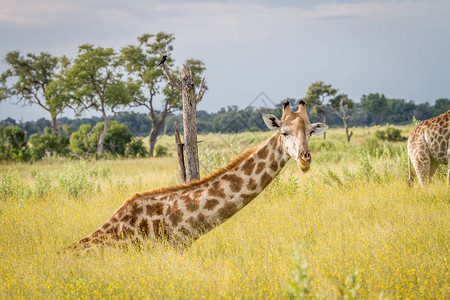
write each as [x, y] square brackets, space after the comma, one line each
[195, 183]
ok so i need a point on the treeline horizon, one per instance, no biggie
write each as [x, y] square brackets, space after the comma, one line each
[233, 119]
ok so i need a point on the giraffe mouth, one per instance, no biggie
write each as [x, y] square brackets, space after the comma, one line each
[303, 166]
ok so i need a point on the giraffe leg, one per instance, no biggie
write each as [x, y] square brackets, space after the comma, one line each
[422, 168]
[448, 171]
[434, 165]
[448, 166]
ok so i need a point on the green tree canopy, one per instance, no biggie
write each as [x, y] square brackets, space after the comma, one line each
[31, 80]
[141, 62]
[441, 106]
[95, 82]
[375, 104]
[318, 94]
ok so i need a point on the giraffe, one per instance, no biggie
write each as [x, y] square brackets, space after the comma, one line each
[185, 212]
[428, 147]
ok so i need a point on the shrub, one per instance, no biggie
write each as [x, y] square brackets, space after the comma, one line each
[10, 185]
[136, 148]
[43, 184]
[117, 138]
[322, 145]
[84, 141]
[48, 142]
[74, 182]
[13, 144]
[161, 150]
[391, 134]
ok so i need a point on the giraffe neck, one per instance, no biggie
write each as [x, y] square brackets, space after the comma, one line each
[194, 209]
[231, 191]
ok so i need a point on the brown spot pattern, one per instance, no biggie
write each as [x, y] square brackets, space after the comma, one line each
[265, 180]
[246, 198]
[160, 229]
[262, 153]
[175, 214]
[125, 218]
[136, 209]
[273, 164]
[235, 182]
[248, 166]
[210, 204]
[127, 232]
[216, 190]
[200, 223]
[113, 232]
[260, 167]
[155, 209]
[144, 227]
[273, 143]
[252, 184]
[228, 210]
[185, 231]
[192, 204]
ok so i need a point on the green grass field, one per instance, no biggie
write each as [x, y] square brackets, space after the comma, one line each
[350, 228]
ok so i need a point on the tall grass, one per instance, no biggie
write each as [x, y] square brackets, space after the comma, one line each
[349, 228]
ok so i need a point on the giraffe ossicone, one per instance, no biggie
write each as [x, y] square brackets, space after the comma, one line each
[428, 147]
[185, 212]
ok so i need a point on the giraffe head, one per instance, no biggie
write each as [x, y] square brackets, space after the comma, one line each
[295, 130]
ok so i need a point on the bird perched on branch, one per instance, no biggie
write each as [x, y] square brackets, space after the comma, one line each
[163, 60]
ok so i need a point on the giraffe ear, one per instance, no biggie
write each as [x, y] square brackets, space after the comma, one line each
[318, 128]
[271, 121]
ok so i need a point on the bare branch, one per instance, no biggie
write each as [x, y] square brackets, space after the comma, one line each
[201, 91]
[170, 78]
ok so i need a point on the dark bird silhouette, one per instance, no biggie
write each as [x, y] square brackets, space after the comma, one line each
[163, 60]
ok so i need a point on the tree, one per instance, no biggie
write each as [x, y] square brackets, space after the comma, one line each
[441, 106]
[340, 105]
[188, 152]
[318, 94]
[95, 82]
[136, 148]
[31, 80]
[141, 62]
[138, 123]
[375, 104]
[399, 111]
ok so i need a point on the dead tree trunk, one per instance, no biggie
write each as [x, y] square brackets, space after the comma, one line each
[180, 153]
[190, 100]
[324, 121]
[349, 135]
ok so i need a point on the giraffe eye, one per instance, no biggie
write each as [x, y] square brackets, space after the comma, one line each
[284, 133]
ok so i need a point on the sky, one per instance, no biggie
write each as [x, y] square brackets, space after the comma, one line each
[398, 48]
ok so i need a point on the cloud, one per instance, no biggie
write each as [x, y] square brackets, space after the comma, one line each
[21, 20]
[280, 47]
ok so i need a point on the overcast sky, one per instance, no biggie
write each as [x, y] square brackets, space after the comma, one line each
[399, 48]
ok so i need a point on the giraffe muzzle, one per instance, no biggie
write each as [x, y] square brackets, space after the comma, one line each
[304, 161]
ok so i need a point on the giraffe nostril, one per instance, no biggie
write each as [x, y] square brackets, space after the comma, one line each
[305, 155]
